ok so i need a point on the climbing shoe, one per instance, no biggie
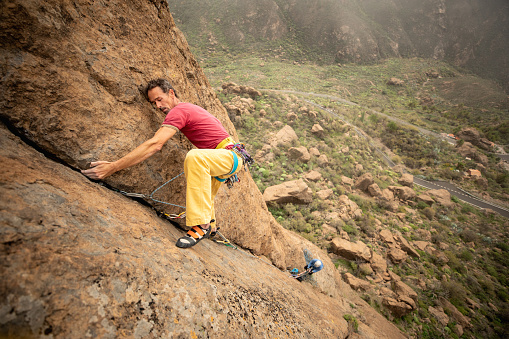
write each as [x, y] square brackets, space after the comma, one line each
[193, 236]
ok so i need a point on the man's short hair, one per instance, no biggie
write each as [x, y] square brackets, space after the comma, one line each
[163, 84]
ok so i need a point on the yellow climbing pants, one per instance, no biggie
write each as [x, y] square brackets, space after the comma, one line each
[200, 168]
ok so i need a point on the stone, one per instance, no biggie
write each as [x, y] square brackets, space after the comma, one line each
[396, 255]
[317, 130]
[403, 192]
[387, 237]
[425, 197]
[313, 176]
[397, 308]
[347, 181]
[438, 312]
[421, 245]
[442, 197]
[322, 160]
[350, 250]
[324, 194]
[364, 181]
[348, 209]
[284, 137]
[356, 283]
[395, 82]
[406, 180]
[378, 263]
[299, 154]
[402, 289]
[405, 246]
[374, 190]
[314, 152]
[294, 192]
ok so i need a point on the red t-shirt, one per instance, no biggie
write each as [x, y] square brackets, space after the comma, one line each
[201, 128]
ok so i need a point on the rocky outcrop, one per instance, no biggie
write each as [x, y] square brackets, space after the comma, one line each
[473, 136]
[350, 250]
[294, 192]
[233, 88]
[356, 283]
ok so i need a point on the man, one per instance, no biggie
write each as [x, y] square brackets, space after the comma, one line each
[311, 267]
[216, 159]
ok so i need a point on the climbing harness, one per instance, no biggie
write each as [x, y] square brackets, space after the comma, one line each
[238, 150]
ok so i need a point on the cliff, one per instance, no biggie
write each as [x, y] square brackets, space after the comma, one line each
[80, 259]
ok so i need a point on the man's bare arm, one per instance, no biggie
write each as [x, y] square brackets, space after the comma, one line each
[103, 169]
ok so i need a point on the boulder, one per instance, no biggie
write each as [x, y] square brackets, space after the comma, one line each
[395, 82]
[387, 237]
[405, 246]
[317, 130]
[421, 245]
[364, 181]
[294, 192]
[473, 136]
[406, 180]
[468, 150]
[425, 197]
[403, 192]
[350, 250]
[284, 137]
[299, 154]
[347, 181]
[314, 151]
[324, 194]
[378, 263]
[442, 197]
[348, 209]
[397, 308]
[356, 283]
[322, 160]
[396, 255]
[439, 314]
[313, 176]
[374, 190]
[402, 289]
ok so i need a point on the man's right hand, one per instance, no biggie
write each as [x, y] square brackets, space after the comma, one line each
[99, 170]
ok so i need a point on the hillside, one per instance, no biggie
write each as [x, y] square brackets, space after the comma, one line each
[472, 35]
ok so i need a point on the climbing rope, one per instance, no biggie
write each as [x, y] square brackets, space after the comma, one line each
[151, 197]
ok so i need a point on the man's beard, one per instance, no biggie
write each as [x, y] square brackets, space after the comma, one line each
[165, 109]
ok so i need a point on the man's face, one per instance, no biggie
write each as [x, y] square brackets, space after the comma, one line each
[164, 101]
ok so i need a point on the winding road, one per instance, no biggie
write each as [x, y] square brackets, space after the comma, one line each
[456, 191]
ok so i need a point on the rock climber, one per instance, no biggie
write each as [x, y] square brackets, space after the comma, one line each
[217, 159]
[311, 267]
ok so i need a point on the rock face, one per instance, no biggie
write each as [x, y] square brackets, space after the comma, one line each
[294, 192]
[80, 259]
